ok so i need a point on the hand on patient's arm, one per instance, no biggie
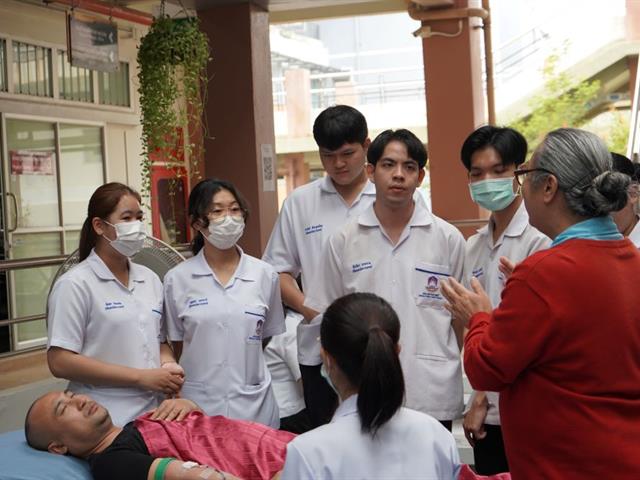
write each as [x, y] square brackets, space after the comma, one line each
[80, 368]
[464, 303]
[293, 297]
[175, 409]
[175, 471]
[473, 422]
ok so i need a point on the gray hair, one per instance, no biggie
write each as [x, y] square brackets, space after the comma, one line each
[582, 164]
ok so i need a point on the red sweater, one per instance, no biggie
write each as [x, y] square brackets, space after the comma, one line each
[563, 350]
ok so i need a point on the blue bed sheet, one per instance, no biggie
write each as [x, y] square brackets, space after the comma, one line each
[18, 461]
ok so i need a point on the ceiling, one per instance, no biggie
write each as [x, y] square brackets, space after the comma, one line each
[289, 10]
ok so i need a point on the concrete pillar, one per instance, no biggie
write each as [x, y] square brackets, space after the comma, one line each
[297, 171]
[455, 107]
[240, 145]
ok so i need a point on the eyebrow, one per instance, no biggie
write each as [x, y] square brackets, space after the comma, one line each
[404, 162]
[132, 213]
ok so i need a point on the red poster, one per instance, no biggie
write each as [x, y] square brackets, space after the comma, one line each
[31, 162]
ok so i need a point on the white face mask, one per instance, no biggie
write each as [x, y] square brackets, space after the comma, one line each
[130, 237]
[225, 232]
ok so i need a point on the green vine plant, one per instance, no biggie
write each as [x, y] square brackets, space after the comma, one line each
[172, 77]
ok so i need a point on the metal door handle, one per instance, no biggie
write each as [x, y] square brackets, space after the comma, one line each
[15, 211]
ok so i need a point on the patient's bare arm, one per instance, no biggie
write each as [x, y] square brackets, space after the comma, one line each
[176, 471]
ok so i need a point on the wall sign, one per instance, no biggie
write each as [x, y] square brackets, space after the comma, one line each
[92, 43]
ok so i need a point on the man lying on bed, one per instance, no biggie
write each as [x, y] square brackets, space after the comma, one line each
[72, 424]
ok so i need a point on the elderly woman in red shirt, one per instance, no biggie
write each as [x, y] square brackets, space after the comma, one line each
[563, 346]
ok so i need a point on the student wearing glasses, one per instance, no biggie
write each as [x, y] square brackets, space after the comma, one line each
[220, 305]
[491, 155]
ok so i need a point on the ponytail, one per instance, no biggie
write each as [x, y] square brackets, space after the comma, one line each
[87, 239]
[381, 382]
[360, 331]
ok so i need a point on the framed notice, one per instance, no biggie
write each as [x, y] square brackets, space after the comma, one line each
[31, 162]
[268, 168]
[92, 42]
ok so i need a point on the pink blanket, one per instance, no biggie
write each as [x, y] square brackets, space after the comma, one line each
[467, 474]
[245, 449]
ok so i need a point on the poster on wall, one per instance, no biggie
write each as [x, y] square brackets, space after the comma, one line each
[31, 162]
[92, 43]
[268, 168]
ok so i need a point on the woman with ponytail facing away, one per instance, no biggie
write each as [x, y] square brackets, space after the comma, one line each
[371, 435]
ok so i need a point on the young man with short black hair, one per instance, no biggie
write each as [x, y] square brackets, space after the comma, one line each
[400, 251]
[309, 215]
[491, 155]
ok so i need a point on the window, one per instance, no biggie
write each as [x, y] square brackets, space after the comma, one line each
[48, 200]
[75, 83]
[113, 87]
[3, 66]
[32, 70]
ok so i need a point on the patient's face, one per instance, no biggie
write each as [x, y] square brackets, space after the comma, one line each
[75, 421]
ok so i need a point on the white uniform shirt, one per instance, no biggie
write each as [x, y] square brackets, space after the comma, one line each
[222, 329]
[282, 359]
[411, 445]
[91, 313]
[634, 236]
[360, 258]
[517, 242]
[309, 215]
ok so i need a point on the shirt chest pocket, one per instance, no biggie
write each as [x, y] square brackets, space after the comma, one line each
[426, 284]
[254, 319]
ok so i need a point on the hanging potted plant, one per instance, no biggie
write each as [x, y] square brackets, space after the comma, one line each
[172, 76]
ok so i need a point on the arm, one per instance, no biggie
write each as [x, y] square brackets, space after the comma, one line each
[175, 330]
[331, 282]
[457, 248]
[502, 344]
[293, 296]
[274, 323]
[473, 423]
[177, 349]
[80, 368]
[168, 360]
[176, 471]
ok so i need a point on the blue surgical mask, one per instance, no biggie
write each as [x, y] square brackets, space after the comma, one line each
[325, 375]
[494, 194]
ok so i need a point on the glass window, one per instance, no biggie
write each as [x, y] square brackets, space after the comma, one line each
[3, 65]
[32, 70]
[81, 169]
[31, 285]
[113, 87]
[75, 83]
[71, 241]
[32, 173]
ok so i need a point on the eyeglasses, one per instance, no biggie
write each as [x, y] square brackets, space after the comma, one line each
[218, 213]
[521, 175]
